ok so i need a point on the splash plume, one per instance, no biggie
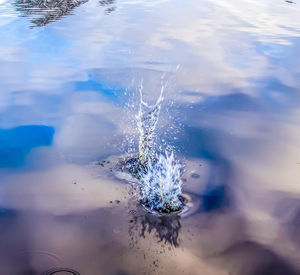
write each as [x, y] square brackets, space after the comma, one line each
[159, 173]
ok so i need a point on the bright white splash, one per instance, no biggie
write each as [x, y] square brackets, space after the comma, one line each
[146, 121]
[159, 174]
[161, 184]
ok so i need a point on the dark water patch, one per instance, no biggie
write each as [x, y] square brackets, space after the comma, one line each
[276, 95]
[218, 191]
[203, 143]
[16, 143]
[111, 91]
[234, 102]
[121, 272]
[216, 198]
[29, 271]
[7, 213]
[165, 227]
[252, 258]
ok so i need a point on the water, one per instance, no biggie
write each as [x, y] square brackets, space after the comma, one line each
[158, 173]
[161, 185]
[230, 113]
[146, 122]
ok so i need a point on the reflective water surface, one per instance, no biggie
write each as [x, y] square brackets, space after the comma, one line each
[69, 74]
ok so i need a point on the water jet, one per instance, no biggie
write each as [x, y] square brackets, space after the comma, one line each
[159, 174]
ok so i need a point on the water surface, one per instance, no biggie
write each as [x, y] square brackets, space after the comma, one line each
[68, 99]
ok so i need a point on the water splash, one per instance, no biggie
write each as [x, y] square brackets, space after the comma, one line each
[159, 173]
[146, 121]
[161, 184]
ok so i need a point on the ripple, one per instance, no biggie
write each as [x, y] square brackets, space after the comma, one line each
[61, 271]
[121, 166]
[191, 204]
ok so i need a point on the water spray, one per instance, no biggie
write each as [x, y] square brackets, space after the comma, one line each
[159, 173]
